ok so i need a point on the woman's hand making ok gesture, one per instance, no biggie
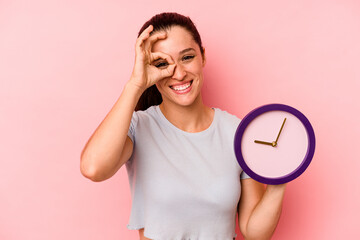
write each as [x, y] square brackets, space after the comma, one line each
[145, 74]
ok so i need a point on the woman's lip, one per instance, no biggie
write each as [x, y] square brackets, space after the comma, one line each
[179, 84]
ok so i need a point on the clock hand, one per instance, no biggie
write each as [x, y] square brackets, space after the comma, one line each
[274, 143]
[280, 131]
[266, 143]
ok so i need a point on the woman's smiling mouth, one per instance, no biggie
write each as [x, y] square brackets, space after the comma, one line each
[183, 88]
[179, 87]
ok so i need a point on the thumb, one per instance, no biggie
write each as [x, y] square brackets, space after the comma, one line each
[167, 72]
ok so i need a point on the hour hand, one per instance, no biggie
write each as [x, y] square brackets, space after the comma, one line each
[273, 144]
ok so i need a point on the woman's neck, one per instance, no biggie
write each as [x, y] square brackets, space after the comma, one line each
[194, 118]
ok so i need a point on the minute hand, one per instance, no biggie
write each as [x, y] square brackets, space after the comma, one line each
[280, 131]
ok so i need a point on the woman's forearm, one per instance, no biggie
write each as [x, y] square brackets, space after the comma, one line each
[264, 219]
[102, 152]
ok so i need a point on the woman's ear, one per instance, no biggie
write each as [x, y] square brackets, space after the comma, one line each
[204, 57]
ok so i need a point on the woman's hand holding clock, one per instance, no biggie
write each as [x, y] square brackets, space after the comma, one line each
[145, 73]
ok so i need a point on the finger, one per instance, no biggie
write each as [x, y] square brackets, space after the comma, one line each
[146, 32]
[167, 72]
[160, 55]
[151, 40]
[143, 36]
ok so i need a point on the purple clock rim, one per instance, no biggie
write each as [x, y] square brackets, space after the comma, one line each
[251, 116]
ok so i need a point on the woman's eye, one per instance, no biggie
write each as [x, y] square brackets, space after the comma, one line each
[161, 64]
[188, 57]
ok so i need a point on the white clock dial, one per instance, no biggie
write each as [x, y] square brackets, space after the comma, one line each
[286, 156]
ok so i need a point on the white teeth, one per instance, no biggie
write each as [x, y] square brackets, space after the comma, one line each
[181, 87]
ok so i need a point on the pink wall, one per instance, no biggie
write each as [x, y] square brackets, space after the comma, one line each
[63, 65]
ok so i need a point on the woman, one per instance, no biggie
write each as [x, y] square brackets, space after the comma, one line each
[184, 177]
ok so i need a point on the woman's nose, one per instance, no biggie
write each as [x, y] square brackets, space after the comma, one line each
[179, 72]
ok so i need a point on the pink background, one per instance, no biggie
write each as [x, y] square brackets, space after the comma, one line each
[63, 64]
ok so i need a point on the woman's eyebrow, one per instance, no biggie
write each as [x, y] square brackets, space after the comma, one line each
[186, 50]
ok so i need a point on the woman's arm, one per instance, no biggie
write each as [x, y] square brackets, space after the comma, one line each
[259, 209]
[109, 147]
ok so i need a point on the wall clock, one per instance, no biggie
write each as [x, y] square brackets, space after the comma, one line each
[274, 143]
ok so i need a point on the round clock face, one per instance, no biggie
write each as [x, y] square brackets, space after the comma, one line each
[274, 143]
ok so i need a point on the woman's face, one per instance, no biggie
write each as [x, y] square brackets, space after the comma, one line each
[183, 87]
